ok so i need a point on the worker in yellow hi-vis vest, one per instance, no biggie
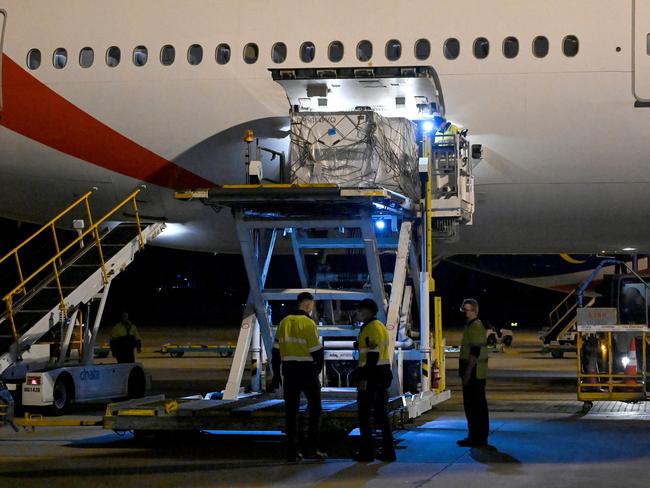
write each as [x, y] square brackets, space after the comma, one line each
[374, 379]
[297, 362]
[124, 339]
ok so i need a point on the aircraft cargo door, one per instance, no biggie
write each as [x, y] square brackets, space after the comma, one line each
[642, 50]
[3, 19]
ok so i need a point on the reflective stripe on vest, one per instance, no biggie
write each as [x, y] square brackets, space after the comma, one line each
[297, 337]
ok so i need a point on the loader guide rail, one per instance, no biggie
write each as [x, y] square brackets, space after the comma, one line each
[261, 412]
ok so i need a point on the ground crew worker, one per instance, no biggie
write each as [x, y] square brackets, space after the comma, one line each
[446, 134]
[374, 379]
[297, 362]
[473, 371]
[124, 339]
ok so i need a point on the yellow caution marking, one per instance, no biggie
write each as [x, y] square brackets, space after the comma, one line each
[425, 368]
[136, 412]
[279, 186]
[189, 195]
[171, 406]
[36, 420]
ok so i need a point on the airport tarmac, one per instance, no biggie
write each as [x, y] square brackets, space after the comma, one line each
[539, 437]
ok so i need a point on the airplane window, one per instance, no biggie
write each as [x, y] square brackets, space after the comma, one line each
[451, 49]
[335, 51]
[223, 54]
[570, 46]
[422, 49]
[113, 56]
[140, 56]
[195, 54]
[279, 52]
[481, 48]
[307, 52]
[540, 46]
[510, 47]
[364, 51]
[34, 59]
[251, 53]
[86, 57]
[167, 55]
[393, 50]
[60, 58]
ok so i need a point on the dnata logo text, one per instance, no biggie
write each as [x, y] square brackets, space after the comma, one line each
[89, 375]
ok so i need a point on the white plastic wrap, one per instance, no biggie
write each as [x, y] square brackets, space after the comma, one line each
[355, 150]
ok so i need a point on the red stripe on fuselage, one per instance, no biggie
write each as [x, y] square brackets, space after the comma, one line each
[32, 109]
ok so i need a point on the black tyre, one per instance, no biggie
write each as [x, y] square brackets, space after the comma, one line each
[507, 340]
[491, 340]
[557, 354]
[137, 384]
[177, 354]
[63, 394]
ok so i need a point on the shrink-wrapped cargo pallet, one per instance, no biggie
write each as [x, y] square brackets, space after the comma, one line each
[355, 150]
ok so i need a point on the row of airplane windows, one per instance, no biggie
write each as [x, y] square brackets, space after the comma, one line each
[307, 51]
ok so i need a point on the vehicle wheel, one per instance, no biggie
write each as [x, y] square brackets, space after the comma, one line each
[177, 354]
[63, 394]
[586, 406]
[491, 340]
[224, 354]
[507, 340]
[137, 384]
[557, 354]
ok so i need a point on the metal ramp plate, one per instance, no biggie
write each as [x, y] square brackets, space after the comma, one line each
[260, 412]
[291, 201]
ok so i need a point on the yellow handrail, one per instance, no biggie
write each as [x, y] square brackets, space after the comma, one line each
[57, 258]
[552, 312]
[60, 215]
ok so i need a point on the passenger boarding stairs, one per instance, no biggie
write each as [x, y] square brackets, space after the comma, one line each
[562, 320]
[49, 292]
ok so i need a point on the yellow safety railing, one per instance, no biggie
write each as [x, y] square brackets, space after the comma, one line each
[608, 384]
[563, 308]
[56, 261]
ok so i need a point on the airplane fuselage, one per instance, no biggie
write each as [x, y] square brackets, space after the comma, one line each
[565, 165]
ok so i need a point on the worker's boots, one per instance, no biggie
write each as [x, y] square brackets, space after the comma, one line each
[294, 456]
[317, 454]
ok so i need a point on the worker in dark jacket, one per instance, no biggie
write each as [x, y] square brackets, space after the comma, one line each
[297, 362]
[124, 339]
[473, 365]
[374, 379]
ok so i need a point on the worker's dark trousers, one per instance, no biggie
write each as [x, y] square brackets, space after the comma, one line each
[372, 403]
[300, 377]
[476, 410]
[123, 349]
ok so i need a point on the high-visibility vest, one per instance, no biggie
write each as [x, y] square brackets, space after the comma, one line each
[448, 137]
[373, 337]
[122, 329]
[297, 337]
[475, 335]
